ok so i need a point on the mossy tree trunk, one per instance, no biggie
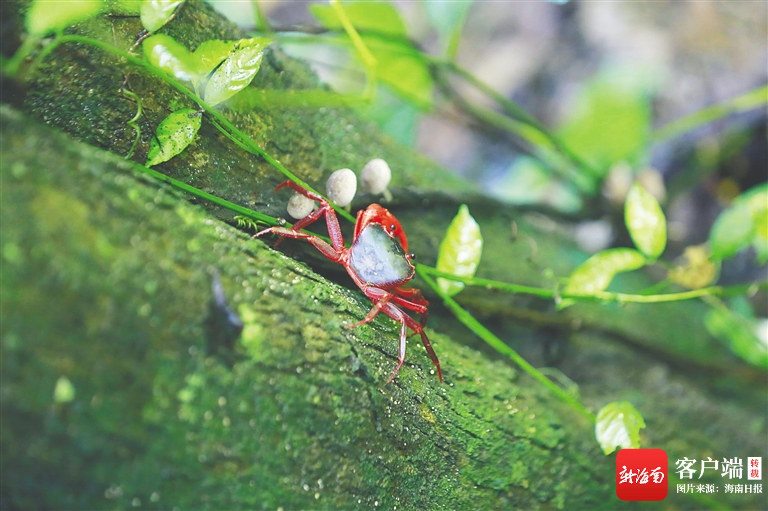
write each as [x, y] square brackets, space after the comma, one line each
[107, 282]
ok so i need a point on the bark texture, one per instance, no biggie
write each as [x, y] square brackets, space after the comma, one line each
[107, 281]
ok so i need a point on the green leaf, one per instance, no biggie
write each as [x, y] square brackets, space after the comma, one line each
[174, 134]
[738, 332]
[163, 52]
[732, 231]
[211, 53]
[447, 17]
[402, 69]
[645, 221]
[618, 425]
[378, 17]
[744, 223]
[609, 120]
[399, 65]
[237, 71]
[156, 13]
[207, 57]
[460, 251]
[45, 16]
[597, 272]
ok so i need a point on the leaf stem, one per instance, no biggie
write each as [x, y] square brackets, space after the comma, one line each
[605, 296]
[475, 326]
[748, 101]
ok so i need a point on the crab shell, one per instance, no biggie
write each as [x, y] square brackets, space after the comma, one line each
[379, 253]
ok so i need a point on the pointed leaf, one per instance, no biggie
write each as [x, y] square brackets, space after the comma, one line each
[207, 57]
[618, 425]
[163, 52]
[45, 17]
[211, 53]
[645, 221]
[237, 71]
[156, 13]
[597, 272]
[460, 251]
[732, 231]
[174, 134]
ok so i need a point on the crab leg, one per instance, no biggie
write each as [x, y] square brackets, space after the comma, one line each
[383, 302]
[334, 230]
[320, 244]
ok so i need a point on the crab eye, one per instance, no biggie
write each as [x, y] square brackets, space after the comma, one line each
[411, 257]
[392, 228]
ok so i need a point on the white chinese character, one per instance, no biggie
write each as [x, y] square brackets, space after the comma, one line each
[680, 488]
[758, 488]
[739, 488]
[700, 488]
[710, 488]
[626, 477]
[728, 488]
[642, 476]
[747, 488]
[657, 475]
[732, 468]
[684, 466]
[704, 464]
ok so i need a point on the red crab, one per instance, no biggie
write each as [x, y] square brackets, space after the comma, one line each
[378, 261]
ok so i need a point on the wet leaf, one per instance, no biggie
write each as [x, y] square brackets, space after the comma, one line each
[156, 13]
[237, 71]
[697, 271]
[645, 221]
[378, 17]
[460, 251]
[45, 17]
[596, 273]
[174, 134]
[738, 332]
[618, 425]
[163, 52]
[211, 53]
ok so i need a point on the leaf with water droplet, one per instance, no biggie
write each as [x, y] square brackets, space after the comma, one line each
[597, 272]
[163, 52]
[237, 71]
[618, 424]
[645, 221]
[460, 251]
[174, 134]
[207, 57]
[156, 13]
[45, 16]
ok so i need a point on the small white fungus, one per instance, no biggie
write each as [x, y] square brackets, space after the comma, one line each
[375, 176]
[341, 187]
[300, 206]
